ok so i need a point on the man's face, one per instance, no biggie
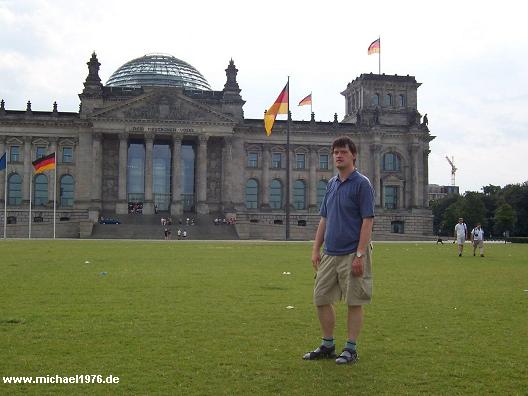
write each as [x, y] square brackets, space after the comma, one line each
[343, 157]
[460, 221]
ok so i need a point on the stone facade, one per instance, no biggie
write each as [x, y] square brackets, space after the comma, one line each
[238, 170]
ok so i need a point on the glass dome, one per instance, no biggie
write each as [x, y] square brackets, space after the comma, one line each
[158, 70]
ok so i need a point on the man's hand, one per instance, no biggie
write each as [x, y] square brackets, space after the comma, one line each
[357, 266]
[316, 259]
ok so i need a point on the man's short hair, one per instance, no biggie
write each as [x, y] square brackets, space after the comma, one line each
[344, 141]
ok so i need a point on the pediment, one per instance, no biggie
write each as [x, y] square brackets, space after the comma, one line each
[67, 142]
[168, 106]
[14, 141]
[40, 142]
[253, 148]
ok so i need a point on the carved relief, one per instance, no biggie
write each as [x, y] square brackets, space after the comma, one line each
[150, 111]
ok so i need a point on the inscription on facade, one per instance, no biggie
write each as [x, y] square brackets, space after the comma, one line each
[160, 129]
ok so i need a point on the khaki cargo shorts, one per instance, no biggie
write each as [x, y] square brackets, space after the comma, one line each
[334, 280]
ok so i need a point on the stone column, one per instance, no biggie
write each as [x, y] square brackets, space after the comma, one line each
[122, 198]
[83, 170]
[148, 203]
[425, 197]
[266, 164]
[176, 203]
[28, 173]
[3, 174]
[312, 184]
[97, 171]
[51, 175]
[227, 165]
[238, 173]
[201, 190]
[375, 150]
[415, 175]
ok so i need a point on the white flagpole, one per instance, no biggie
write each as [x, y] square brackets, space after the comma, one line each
[55, 197]
[5, 202]
[30, 194]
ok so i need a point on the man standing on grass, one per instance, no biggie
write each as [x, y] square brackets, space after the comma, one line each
[344, 268]
[460, 235]
[477, 238]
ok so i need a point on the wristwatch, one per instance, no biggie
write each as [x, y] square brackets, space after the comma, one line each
[359, 254]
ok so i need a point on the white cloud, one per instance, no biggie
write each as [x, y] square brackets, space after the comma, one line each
[470, 58]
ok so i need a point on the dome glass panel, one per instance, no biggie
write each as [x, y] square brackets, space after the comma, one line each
[158, 70]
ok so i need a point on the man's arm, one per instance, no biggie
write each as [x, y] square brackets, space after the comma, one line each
[318, 242]
[364, 239]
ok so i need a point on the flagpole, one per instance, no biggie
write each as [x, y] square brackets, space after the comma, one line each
[55, 197]
[311, 101]
[379, 55]
[30, 194]
[5, 201]
[288, 166]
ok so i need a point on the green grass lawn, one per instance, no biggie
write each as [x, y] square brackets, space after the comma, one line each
[211, 318]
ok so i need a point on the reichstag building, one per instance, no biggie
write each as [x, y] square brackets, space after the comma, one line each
[156, 138]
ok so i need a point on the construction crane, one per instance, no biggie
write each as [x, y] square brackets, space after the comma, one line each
[453, 169]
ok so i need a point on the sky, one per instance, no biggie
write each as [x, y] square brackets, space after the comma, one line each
[470, 57]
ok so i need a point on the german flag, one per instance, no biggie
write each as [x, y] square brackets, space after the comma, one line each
[306, 101]
[279, 107]
[44, 163]
[374, 47]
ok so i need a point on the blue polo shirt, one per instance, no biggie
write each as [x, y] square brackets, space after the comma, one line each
[344, 207]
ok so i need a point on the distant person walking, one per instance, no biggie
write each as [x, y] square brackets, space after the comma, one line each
[344, 267]
[460, 235]
[477, 239]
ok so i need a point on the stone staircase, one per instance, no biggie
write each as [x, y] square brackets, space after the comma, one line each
[135, 226]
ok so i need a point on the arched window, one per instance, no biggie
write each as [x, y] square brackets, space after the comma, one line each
[251, 194]
[14, 189]
[66, 191]
[402, 101]
[376, 99]
[299, 194]
[321, 190]
[388, 100]
[275, 198]
[391, 162]
[40, 190]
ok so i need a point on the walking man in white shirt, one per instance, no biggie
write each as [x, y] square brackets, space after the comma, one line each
[477, 238]
[460, 235]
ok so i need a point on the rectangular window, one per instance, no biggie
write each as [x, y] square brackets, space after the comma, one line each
[40, 152]
[276, 160]
[299, 161]
[323, 161]
[67, 155]
[14, 154]
[252, 160]
[391, 197]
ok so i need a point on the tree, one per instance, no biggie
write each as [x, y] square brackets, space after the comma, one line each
[473, 209]
[505, 218]
[450, 217]
[516, 195]
[439, 207]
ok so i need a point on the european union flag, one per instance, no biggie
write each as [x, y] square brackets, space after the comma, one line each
[3, 162]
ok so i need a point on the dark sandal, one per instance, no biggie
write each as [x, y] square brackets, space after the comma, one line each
[347, 356]
[321, 352]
